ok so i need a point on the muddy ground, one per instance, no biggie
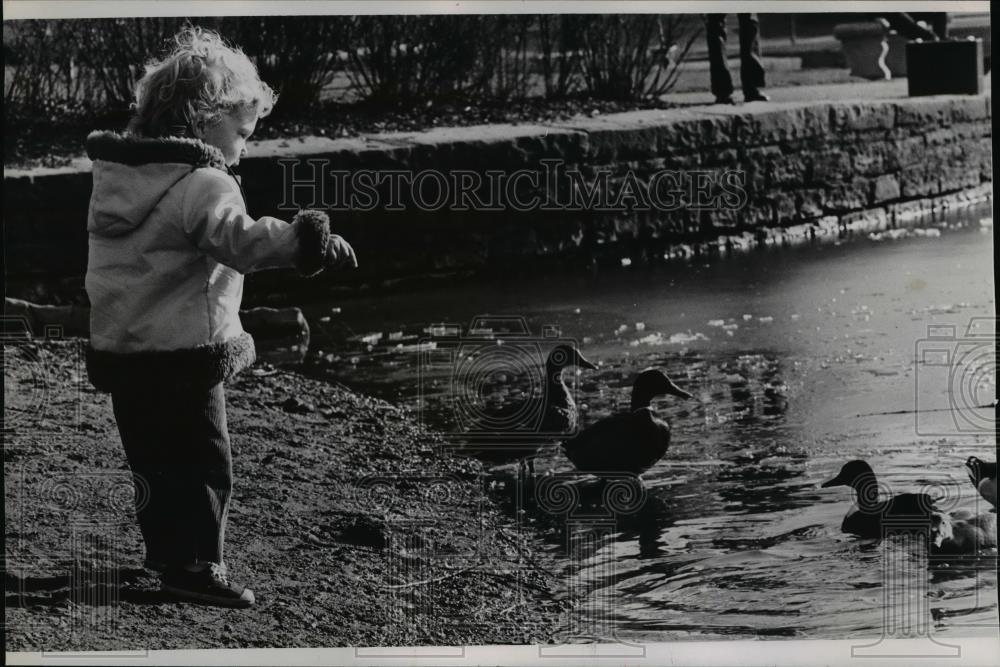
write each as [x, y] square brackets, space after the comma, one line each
[349, 521]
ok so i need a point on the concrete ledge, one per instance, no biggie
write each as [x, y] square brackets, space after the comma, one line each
[801, 162]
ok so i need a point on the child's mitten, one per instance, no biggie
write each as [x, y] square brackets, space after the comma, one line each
[313, 230]
[340, 254]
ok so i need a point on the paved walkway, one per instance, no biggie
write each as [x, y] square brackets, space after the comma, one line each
[861, 90]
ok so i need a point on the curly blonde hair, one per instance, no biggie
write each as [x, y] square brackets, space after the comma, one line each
[199, 81]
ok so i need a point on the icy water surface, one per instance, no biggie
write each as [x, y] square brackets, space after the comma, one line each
[799, 360]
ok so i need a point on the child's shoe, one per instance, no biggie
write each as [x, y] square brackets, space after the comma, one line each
[208, 586]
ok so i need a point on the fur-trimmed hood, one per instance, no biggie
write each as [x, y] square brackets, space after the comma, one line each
[131, 175]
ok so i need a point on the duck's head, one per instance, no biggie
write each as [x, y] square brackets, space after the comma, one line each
[565, 356]
[854, 474]
[975, 467]
[942, 529]
[651, 383]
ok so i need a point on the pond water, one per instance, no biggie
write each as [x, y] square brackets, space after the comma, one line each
[799, 360]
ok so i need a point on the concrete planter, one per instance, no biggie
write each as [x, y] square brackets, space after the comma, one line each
[865, 47]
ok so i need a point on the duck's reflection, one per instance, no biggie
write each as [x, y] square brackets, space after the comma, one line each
[565, 509]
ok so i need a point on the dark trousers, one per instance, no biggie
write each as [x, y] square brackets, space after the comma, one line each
[907, 26]
[751, 67]
[177, 446]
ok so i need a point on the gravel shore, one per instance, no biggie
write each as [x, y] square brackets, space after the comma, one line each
[348, 521]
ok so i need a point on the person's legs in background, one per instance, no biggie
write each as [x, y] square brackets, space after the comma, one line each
[721, 80]
[751, 66]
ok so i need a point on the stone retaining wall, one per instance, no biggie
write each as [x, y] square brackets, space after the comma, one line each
[818, 164]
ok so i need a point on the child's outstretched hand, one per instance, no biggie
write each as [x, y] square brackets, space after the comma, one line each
[340, 254]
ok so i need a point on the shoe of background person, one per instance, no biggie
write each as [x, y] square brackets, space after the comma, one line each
[725, 100]
[207, 586]
[756, 96]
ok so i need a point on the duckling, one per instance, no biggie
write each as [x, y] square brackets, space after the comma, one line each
[559, 416]
[984, 477]
[629, 442]
[867, 520]
[963, 532]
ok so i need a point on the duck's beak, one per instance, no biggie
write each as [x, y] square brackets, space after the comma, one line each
[836, 481]
[582, 362]
[674, 390]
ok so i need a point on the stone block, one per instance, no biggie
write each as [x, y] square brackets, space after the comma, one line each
[952, 178]
[830, 167]
[986, 159]
[918, 180]
[785, 207]
[872, 159]
[884, 188]
[787, 123]
[723, 221]
[969, 108]
[757, 213]
[924, 111]
[847, 196]
[810, 202]
[862, 116]
[907, 151]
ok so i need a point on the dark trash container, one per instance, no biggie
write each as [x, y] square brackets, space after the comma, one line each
[947, 67]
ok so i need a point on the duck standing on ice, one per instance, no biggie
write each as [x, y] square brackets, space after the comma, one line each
[628, 442]
[871, 515]
[983, 475]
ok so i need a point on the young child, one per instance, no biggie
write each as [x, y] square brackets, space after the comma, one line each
[170, 241]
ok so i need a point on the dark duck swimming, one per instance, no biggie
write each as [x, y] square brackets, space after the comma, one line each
[558, 415]
[983, 476]
[873, 516]
[629, 442]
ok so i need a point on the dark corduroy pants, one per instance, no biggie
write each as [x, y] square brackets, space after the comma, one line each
[177, 446]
